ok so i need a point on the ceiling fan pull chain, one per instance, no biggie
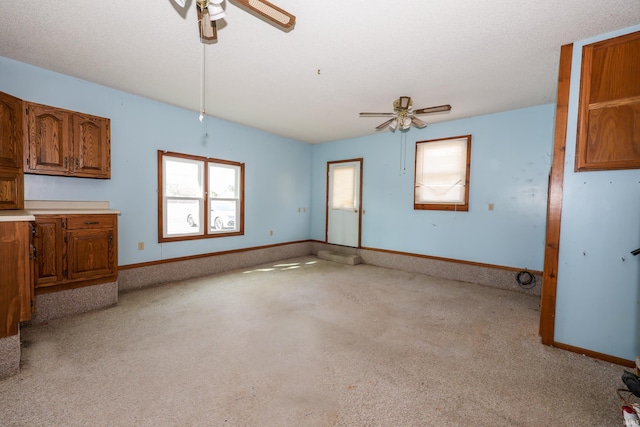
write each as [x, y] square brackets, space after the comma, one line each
[202, 86]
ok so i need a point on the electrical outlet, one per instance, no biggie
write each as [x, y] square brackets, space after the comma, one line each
[490, 206]
[270, 232]
[141, 246]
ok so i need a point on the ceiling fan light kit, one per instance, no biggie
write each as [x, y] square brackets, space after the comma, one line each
[403, 116]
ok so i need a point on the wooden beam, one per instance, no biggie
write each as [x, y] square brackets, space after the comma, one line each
[554, 204]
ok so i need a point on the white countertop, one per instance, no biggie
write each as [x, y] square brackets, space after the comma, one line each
[55, 207]
[15, 215]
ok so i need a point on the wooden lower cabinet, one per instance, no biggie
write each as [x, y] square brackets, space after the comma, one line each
[74, 251]
[16, 287]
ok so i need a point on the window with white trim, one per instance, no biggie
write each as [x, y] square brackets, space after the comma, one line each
[442, 174]
[199, 197]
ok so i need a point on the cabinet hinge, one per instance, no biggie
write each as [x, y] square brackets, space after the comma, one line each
[64, 273]
[65, 239]
[27, 111]
[28, 163]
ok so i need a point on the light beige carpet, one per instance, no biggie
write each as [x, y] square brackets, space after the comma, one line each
[307, 342]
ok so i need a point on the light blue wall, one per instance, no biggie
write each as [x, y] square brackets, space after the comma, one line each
[598, 293]
[510, 162]
[276, 172]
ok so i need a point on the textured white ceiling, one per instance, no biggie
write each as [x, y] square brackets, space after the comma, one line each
[341, 58]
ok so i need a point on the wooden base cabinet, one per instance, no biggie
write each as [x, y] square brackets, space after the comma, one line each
[74, 251]
[16, 286]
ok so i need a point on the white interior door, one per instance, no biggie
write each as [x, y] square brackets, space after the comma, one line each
[343, 203]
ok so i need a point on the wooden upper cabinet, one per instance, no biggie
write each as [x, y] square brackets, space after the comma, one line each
[10, 131]
[11, 136]
[63, 142]
[91, 146]
[609, 106]
[48, 139]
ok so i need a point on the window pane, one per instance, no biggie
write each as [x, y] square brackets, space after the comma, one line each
[183, 177]
[222, 215]
[441, 171]
[223, 181]
[183, 217]
[343, 187]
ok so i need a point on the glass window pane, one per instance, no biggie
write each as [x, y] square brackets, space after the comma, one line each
[343, 187]
[183, 177]
[441, 168]
[183, 217]
[223, 215]
[223, 181]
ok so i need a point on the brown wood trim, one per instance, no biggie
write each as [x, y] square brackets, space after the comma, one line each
[160, 197]
[209, 254]
[554, 204]
[457, 261]
[595, 355]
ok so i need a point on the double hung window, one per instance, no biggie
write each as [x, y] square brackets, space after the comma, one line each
[199, 197]
[442, 174]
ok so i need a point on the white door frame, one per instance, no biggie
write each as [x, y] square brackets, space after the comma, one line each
[358, 198]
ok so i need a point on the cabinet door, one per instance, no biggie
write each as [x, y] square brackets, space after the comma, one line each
[14, 276]
[49, 256]
[10, 132]
[11, 128]
[11, 189]
[609, 109]
[91, 146]
[48, 140]
[91, 253]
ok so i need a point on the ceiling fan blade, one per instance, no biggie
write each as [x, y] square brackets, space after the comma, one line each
[207, 27]
[418, 123]
[385, 124]
[377, 114]
[278, 16]
[437, 109]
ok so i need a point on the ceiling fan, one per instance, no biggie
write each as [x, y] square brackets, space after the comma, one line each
[209, 11]
[404, 116]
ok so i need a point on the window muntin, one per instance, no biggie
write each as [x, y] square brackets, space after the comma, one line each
[191, 184]
[442, 174]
